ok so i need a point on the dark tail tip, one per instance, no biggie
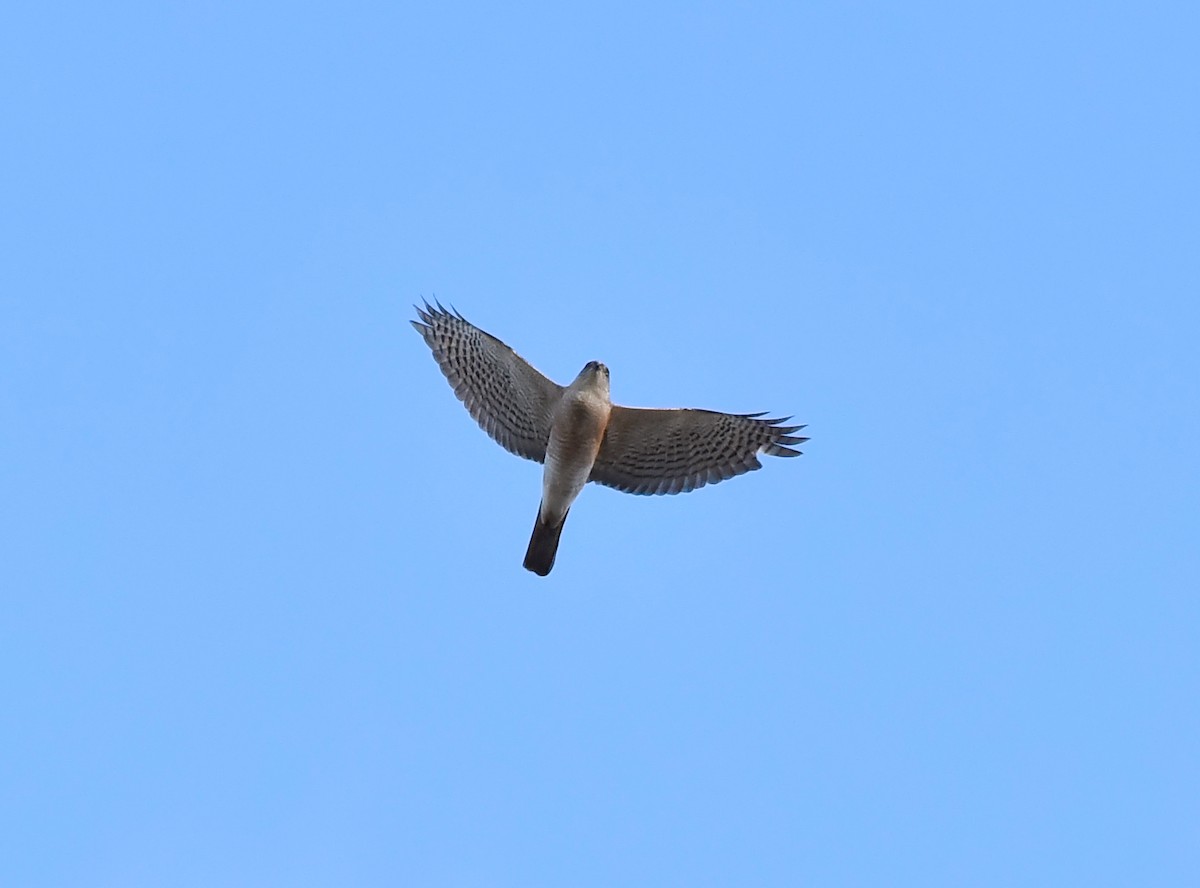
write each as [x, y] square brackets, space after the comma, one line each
[543, 545]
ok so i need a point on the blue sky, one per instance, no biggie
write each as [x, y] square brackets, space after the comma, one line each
[265, 621]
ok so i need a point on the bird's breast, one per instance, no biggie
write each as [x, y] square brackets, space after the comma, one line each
[578, 428]
[575, 436]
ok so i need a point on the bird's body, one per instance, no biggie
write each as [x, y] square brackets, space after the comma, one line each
[581, 436]
[577, 428]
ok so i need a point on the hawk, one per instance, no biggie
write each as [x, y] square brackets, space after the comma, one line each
[581, 436]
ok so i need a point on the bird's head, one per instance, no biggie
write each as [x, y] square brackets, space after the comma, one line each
[594, 373]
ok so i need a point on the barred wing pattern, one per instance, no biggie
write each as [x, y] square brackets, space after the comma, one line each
[674, 451]
[509, 399]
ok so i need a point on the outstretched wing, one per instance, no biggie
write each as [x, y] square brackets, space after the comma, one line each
[510, 400]
[674, 451]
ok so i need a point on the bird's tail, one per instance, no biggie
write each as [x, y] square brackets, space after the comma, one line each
[543, 545]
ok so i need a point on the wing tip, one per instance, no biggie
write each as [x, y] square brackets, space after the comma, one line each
[774, 449]
[781, 436]
[432, 315]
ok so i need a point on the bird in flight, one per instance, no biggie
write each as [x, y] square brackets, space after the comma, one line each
[581, 436]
